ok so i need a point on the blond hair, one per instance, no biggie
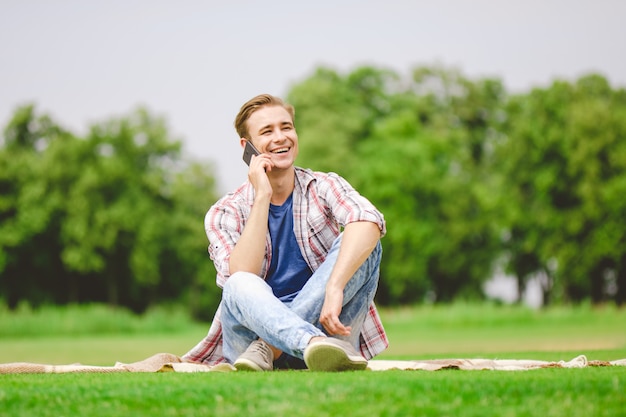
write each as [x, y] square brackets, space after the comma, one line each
[254, 104]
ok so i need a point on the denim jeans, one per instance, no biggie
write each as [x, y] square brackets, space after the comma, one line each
[251, 311]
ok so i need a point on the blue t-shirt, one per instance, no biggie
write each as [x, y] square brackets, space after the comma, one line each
[288, 270]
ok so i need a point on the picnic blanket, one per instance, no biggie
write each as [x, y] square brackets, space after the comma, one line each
[167, 362]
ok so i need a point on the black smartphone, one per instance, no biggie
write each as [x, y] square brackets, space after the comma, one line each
[248, 151]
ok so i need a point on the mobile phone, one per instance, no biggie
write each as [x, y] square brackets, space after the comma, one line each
[248, 151]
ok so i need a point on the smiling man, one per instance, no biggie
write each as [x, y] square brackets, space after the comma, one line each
[297, 254]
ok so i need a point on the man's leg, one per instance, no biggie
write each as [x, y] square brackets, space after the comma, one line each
[358, 293]
[251, 311]
[250, 304]
[339, 353]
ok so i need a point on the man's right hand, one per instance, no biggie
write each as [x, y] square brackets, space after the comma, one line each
[260, 165]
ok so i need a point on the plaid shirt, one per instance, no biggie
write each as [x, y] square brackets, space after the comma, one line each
[322, 204]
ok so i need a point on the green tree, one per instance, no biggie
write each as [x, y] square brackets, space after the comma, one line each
[106, 218]
[417, 149]
[335, 113]
[564, 174]
[28, 227]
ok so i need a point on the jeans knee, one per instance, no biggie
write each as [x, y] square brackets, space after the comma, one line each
[241, 283]
[234, 283]
[231, 284]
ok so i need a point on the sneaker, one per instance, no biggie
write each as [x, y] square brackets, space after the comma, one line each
[333, 355]
[258, 357]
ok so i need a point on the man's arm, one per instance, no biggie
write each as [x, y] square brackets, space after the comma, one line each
[249, 251]
[358, 241]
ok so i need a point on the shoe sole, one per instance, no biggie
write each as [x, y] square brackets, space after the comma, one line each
[326, 357]
[246, 365]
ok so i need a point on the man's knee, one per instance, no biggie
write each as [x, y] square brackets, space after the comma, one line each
[241, 282]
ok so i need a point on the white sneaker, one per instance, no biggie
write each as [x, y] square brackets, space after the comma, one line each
[333, 355]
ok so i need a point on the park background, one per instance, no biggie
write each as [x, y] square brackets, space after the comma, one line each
[492, 137]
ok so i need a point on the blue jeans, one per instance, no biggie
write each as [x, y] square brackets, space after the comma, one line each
[250, 310]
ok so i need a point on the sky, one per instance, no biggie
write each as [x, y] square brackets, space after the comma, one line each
[196, 62]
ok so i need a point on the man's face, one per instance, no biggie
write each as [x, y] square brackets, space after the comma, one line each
[272, 132]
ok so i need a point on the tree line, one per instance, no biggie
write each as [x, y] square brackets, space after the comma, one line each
[471, 179]
[474, 180]
[112, 217]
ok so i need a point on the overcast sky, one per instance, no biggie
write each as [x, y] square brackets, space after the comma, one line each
[196, 62]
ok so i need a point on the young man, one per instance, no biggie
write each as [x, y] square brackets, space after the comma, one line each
[297, 290]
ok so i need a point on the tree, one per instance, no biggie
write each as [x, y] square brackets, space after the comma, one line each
[337, 113]
[106, 218]
[415, 148]
[28, 221]
[564, 174]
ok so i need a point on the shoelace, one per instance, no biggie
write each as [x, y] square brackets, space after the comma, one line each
[263, 349]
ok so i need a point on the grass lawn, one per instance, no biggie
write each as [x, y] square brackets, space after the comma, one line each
[546, 392]
[422, 332]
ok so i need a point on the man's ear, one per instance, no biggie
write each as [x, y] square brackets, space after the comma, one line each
[242, 142]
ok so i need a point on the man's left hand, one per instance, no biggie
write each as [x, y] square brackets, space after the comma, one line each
[329, 317]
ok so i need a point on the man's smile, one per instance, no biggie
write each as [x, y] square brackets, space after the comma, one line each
[280, 150]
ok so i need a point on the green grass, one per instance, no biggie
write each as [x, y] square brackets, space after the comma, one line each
[94, 319]
[547, 392]
[498, 331]
[422, 332]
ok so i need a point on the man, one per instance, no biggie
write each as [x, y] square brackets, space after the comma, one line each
[297, 290]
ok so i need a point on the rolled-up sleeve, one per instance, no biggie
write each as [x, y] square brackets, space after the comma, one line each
[348, 205]
[223, 226]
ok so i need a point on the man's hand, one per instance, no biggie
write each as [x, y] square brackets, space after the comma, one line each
[359, 239]
[249, 251]
[260, 165]
[329, 317]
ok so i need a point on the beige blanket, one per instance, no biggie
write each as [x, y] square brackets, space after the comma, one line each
[167, 362]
